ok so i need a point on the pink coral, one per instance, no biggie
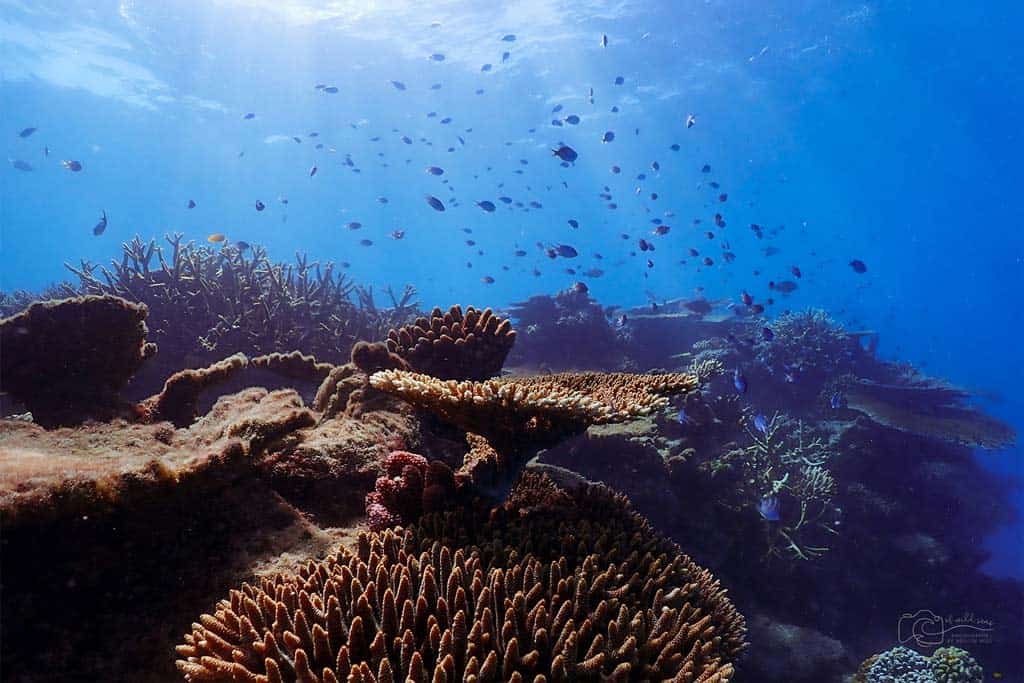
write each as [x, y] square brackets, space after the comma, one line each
[410, 486]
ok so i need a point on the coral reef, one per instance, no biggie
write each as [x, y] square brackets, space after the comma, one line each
[206, 302]
[953, 665]
[68, 360]
[567, 331]
[395, 610]
[453, 345]
[409, 487]
[294, 365]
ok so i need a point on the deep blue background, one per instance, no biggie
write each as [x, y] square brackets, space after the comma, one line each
[884, 131]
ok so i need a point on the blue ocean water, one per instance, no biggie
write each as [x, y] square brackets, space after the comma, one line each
[887, 132]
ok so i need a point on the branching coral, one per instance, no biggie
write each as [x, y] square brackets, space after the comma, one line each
[393, 612]
[453, 345]
[783, 464]
[206, 301]
[67, 360]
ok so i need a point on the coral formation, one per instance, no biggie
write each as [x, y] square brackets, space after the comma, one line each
[516, 410]
[929, 409]
[294, 365]
[394, 610]
[67, 360]
[903, 665]
[179, 400]
[410, 486]
[568, 331]
[453, 345]
[206, 302]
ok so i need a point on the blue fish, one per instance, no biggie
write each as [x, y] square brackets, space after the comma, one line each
[434, 202]
[565, 153]
[836, 401]
[486, 206]
[768, 507]
[761, 423]
[739, 381]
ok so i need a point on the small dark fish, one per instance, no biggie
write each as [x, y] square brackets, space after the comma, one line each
[505, 200]
[719, 221]
[565, 153]
[739, 381]
[406, 139]
[722, 197]
[761, 423]
[662, 230]
[674, 147]
[382, 200]
[746, 298]
[615, 109]
[572, 119]
[470, 243]
[608, 136]
[508, 38]
[616, 170]
[260, 205]
[434, 202]
[27, 132]
[72, 165]
[248, 116]
[708, 261]
[312, 171]
[574, 223]
[604, 40]
[644, 244]
[557, 108]
[331, 90]
[706, 168]
[354, 225]
[486, 206]
[593, 272]
[858, 266]
[366, 243]
[650, 263]
[437, 57]
[435, 170]
[241, 246]
[485, 67]
[566, 251]
[655, 166]
[101, 226]
[398, 85]
[21, 165]
[768, 508]
[191, 204]
[436, 86]
[519, 252]
[796, 272]
[446, 120]
[694, 252]
[505, 56]
[767, 334]
[298, 140]
[556, 123]
[537, 205]
[397, 234]
[487, 280]
[786, 286]
[619, 80]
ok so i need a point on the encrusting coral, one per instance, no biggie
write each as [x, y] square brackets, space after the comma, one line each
[394, 612]
[178, 402]
[67, 360]
[453, 345]
[903, 665]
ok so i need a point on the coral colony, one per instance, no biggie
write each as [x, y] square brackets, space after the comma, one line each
[397, 508]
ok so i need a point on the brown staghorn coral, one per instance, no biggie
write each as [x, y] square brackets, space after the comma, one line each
[453, 345]
[178, 402]
[389, 613]
[543, 409]
[67, 360]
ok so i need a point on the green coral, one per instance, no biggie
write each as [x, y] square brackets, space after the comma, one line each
[953, 665]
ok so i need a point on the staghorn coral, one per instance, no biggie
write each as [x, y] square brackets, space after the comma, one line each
[453, 345]
[783, 462]
[393, 611]
[67, 360]
[179, 400]
[206, 302]
[539, 409]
